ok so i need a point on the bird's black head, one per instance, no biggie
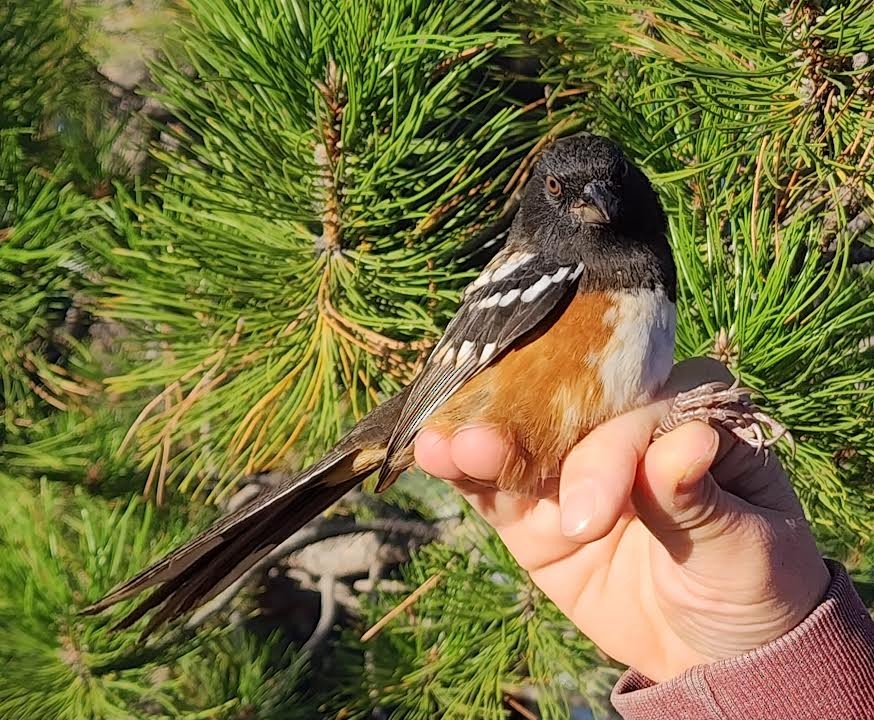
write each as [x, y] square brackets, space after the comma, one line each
[586, 182]
[585, 198]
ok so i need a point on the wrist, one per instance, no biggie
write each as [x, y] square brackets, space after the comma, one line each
[820, 668]
[723, 627]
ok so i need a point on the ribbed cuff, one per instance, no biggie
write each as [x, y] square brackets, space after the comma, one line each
[821, 670]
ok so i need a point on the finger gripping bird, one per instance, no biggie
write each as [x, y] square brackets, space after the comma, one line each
[570, 324]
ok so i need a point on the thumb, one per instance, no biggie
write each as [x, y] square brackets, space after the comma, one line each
[675, 496]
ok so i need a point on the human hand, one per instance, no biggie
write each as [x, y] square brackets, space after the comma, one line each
[667, 555]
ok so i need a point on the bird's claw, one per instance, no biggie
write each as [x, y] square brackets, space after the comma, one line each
[718, 403]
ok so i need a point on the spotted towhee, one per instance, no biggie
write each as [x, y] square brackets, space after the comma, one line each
[570, 324]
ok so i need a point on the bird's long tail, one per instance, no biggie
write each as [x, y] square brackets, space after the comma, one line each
[197, 571]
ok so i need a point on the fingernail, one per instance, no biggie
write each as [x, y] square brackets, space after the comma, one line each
[694, 471]
[428, 437]
[469, 426]
[577, 513]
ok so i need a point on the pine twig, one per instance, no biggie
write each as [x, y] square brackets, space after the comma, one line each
[377, 627]
[520, 708]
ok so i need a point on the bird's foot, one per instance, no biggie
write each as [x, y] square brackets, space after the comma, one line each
[729, 406]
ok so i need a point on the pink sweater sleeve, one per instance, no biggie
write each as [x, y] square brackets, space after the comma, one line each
[823, 669]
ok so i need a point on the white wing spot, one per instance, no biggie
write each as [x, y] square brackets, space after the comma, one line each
[514, 261]
[485, 277]
[487, 353]
[490, 301]
[578, 271]
[510, 297]
[532, 292]
[464, 353]
[561, 274]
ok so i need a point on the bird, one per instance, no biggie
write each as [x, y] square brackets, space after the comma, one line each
[572, 322]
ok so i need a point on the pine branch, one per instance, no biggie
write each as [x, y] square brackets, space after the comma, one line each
[469, 642]
[53, 146]
[338, 165]
[61, 551]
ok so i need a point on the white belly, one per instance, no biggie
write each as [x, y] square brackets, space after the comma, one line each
[640, 354]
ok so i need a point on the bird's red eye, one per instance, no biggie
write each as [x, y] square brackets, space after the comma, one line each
[553, 186]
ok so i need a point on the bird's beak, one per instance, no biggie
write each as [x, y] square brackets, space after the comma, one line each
[598, 206]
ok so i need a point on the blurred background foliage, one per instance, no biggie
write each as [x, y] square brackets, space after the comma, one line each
[227, 229]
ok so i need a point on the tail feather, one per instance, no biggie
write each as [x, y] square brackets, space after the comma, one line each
[213, 542]
[206, 579]
[199, 570]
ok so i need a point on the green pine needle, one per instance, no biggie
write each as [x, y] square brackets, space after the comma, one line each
[466, 644]
[63, 551]
[314, 226]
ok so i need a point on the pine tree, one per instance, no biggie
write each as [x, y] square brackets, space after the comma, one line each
[333, 174]
[302, 253]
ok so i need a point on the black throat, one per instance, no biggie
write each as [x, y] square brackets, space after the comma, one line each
[632, 267]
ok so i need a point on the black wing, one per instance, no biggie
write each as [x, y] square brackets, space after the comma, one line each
[514, 292]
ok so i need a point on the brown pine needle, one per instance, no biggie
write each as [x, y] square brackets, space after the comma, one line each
[520, 708]
[401, 606]
[173, 387]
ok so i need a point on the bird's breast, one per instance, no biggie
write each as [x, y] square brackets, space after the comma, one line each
[637, 360]
[606, 353]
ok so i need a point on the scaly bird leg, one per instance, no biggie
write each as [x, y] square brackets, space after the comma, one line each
[728, 406]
